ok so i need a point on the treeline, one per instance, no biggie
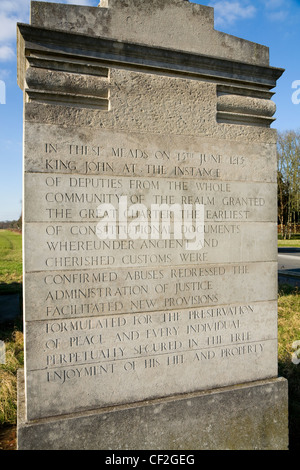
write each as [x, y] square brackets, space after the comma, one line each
[288, 171]
[12, 224]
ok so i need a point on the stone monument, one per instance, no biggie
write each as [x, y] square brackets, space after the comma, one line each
[150, 232]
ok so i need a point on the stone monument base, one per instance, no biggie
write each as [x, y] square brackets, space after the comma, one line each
[252, 416]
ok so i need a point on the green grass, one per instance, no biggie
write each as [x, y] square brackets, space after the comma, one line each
[12, 336]
[289, 243]
[288, 320]
[10, 261]
[11, 333]
[288, 333]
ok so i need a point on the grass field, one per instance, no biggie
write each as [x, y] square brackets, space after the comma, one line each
[289, 243]
[10, 261]
[11, 334]
[288, 334]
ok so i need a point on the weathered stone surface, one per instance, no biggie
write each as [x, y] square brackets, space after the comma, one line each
[152, 355]
[244, 417]
[246, 105]
[172, 24]
[62, 149]
[232, 202]
[66, 81]
[135, 106]
[125, 111]
[105, 291]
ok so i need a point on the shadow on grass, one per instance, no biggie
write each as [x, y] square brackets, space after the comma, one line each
[287, 289]
[9, 327]
[8, 431]
[11, 288]
[11, 302]
[8, 438]
[291, 372]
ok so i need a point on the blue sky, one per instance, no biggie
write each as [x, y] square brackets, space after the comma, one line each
[273, 23]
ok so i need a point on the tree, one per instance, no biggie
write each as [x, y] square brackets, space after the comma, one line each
[12, 224]
[288, 159]
[283, 198]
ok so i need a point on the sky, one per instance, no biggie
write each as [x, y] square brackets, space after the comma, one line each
[273, 23]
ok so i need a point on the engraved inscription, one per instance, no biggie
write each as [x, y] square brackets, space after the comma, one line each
[148, 340]
[132, 305]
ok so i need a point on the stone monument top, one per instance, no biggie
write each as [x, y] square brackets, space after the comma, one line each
[150, 232]
[175, 24]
